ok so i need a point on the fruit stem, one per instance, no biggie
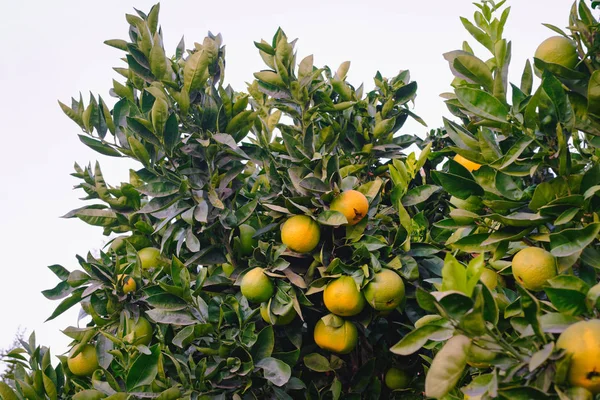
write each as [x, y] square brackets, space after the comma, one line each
[505, 345]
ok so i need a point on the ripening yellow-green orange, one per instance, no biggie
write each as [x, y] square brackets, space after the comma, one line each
[558, 50]
[582, 341]
[532, 267]
[85, 362]
[335, 334]
[386, 291]
[149, 257]
[342, 297]
[126, 283]
[140, 331]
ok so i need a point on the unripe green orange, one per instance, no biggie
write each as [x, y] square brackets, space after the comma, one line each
[247, 242]
[284, 319]
[150, 257]
[256, 286]
[140, 331]
[396, 379]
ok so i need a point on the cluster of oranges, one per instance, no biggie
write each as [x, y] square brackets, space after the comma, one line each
[343, 296]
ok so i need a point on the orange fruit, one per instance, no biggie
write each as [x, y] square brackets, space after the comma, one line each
[558, 50]
[335, 334]
[396, 379]
[85, 362]
[140, 331]
[246, 242]
[342, 297]
[532, 267]
[284, 319]
[117, 244]
[126, 283]
[256, 286]
[300, 233]
[353, 204]
[582, 341]
[489, 278]
[386, 291]
[89, 394]
[470, 165]
[479, 357]
[150, 257]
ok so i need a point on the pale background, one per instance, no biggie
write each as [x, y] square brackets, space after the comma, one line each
[53, 50]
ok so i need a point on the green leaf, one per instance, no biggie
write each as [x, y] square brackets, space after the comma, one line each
[460, 136]
[522, 393]
[229, 141]
[416, 339]
[195, 71]
[514, 152]
[566, 216]
[265, 343]
[317, 362]
[570, 241]
[591, 257]
[67, 303]
[99, 146]
[457, 185]
[89, 394]
[519, 219]
[97, 217]
[478, 34]
[158, 59]
[172, 317]
[314, 184]
[139, 151]
[527, 79]
[474, 271]
[144, 369]
[474, 70]
[158, 189]
[540, 357]
[454, 275]
[7, 393]
[482, 104]
[419, 195]
[554, 89]
[447, 367]
[166, 301]
[593, 94]
[332, 218]
[276, 371]
[171, 133]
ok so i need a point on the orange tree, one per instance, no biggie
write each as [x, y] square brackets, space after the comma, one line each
[280, 244]
[524, 209]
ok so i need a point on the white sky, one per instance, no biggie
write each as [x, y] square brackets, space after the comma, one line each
[53, 50]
